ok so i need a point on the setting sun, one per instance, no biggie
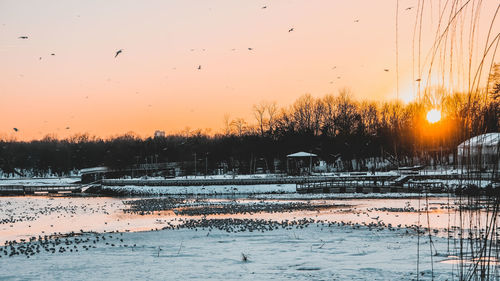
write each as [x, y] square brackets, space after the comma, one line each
[433, 116]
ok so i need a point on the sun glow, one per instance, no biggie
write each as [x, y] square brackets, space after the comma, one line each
[433, 116]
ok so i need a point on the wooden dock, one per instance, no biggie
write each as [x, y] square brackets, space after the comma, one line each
[347, 187]
[370, 187]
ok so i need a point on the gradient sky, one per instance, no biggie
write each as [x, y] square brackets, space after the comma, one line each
[155, 83]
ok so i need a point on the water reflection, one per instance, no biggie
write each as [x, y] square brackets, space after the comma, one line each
[23, 217]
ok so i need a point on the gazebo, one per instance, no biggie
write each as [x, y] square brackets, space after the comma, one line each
[299, 156]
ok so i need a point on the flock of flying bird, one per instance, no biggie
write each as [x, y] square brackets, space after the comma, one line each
[199, 66]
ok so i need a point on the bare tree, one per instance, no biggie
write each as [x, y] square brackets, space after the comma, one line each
[347, 118]
[303, 114]
[240, 125]
[272, 109]
[227, 124]
[318, 113]
[330, 107]
[265, 113]
[369, 117]
[187, 131]
[259, 111]
[285, 123]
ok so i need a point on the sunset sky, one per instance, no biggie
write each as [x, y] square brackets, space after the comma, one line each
[155, 82]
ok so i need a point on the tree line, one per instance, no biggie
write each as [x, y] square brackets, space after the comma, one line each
[335, 127]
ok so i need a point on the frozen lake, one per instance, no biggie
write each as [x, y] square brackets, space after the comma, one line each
[206, 238]
[315, 252]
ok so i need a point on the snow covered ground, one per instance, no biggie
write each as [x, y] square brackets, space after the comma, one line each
[39, 181]
[312, 253]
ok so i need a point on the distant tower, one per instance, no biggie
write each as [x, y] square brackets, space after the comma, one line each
[159, 134]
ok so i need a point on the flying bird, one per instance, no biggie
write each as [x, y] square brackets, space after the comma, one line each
[118, 52]
[15, 129]
[199, 67]
[290, 30]
[22, 37]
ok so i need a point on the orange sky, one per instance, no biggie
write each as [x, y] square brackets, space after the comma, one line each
[155, 83]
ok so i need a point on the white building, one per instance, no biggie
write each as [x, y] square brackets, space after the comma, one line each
[481, 152]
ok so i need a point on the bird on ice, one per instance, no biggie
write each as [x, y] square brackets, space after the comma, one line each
[356, 20]
[290, 30]
[199, 67]
[386, 70]
[250, 49]
[22, 37]
[118, 52]
[264, 7]
[15, 129]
